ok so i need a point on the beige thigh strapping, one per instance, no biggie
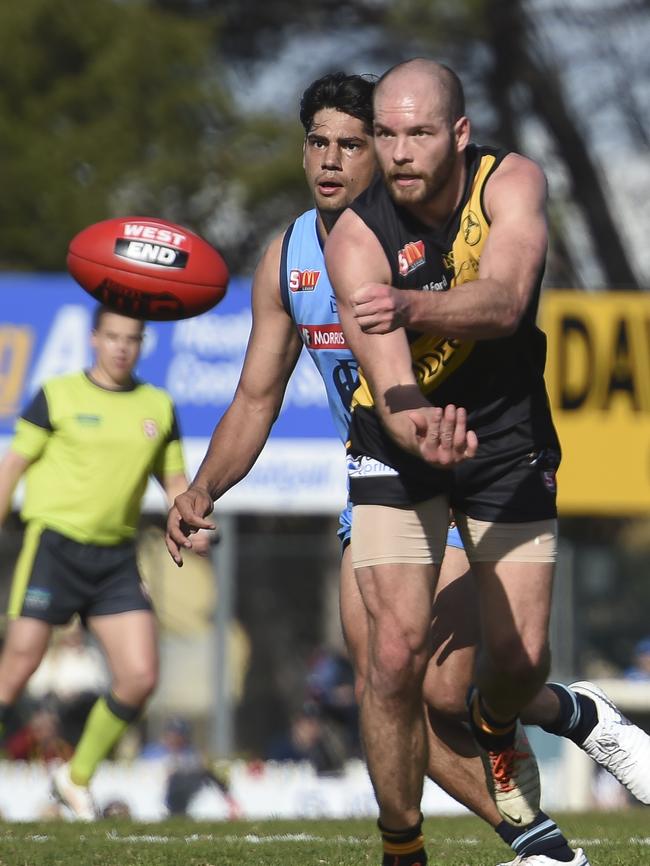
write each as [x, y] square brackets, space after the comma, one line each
[383, 533]
[508, 542]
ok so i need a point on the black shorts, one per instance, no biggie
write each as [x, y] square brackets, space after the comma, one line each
[511, 479]
[56, 577]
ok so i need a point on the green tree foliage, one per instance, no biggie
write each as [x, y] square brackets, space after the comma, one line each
[112, 108]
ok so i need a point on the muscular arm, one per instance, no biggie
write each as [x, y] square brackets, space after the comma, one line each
[12, 468]
[509, 268]
[272, 351]
[237, 440]
[353, 255]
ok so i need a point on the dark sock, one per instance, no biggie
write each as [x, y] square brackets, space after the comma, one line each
[489, 733]
[578, 715]
[403, 847]
[543, 836]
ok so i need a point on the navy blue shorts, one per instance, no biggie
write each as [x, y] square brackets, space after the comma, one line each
[56, 577]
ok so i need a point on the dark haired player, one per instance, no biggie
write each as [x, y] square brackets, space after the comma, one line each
[289, 312]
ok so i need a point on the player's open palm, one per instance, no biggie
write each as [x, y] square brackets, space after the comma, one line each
[441, 436]
[187, 515]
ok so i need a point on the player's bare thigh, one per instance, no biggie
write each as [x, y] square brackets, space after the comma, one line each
[25, 644]
[513, 565]
[396, 552]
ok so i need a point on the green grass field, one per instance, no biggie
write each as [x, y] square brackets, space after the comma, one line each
[610, 839]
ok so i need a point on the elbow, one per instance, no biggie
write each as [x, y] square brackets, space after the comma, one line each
[510, 320]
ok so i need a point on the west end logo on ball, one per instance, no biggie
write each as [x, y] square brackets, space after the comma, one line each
[149, 245]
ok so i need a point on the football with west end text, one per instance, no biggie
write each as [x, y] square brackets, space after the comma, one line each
[148, 268]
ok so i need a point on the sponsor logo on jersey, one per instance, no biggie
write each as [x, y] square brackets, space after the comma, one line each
[150, 428]
[439, 286]
[148, 253]
[410, 257]
[87, 420]
[303, 281]
[368, 467]
[471, 229]
[323, 336]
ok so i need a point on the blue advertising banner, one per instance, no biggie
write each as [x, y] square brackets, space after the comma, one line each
[44, 328]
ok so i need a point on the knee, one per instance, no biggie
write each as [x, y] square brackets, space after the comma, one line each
[448, 703]
[138, 683]
[396, 666]
[21, 661]
[446, 684]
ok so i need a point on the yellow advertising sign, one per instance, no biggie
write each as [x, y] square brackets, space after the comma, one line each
[598, 379]
[15, 350]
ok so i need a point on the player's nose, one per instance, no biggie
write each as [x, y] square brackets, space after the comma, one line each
[332, 157]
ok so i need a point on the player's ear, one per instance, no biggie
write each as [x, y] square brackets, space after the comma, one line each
[462, 133]
[304, 154]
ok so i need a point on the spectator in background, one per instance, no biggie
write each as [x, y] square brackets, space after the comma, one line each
[308, 740]
[640, 667]
[330, 684]
[174, 744]
[40, 738]
[188, 772]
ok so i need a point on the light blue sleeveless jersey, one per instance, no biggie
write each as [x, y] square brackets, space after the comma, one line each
[308, 298]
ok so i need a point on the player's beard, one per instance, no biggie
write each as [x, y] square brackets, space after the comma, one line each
[432, 182]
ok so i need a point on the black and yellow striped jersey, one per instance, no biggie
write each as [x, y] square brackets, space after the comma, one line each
[499, 381]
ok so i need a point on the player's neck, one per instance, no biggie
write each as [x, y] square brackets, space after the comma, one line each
[104, 379]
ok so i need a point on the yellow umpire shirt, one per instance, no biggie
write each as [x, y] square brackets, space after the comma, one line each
[93, 451]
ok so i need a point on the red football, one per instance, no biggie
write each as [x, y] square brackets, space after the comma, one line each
[148, 268]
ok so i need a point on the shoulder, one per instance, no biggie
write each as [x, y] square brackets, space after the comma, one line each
[350, 229]
[275, 249]
[514, 169]
[516, 179]
[65, 380]
[64, 387]
[354, 253]
[154, 394]
[268, 267]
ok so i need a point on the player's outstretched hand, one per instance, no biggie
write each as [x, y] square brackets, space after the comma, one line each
[442, 437]
[187, 515]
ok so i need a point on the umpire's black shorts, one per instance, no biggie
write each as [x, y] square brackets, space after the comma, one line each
[56, 577]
